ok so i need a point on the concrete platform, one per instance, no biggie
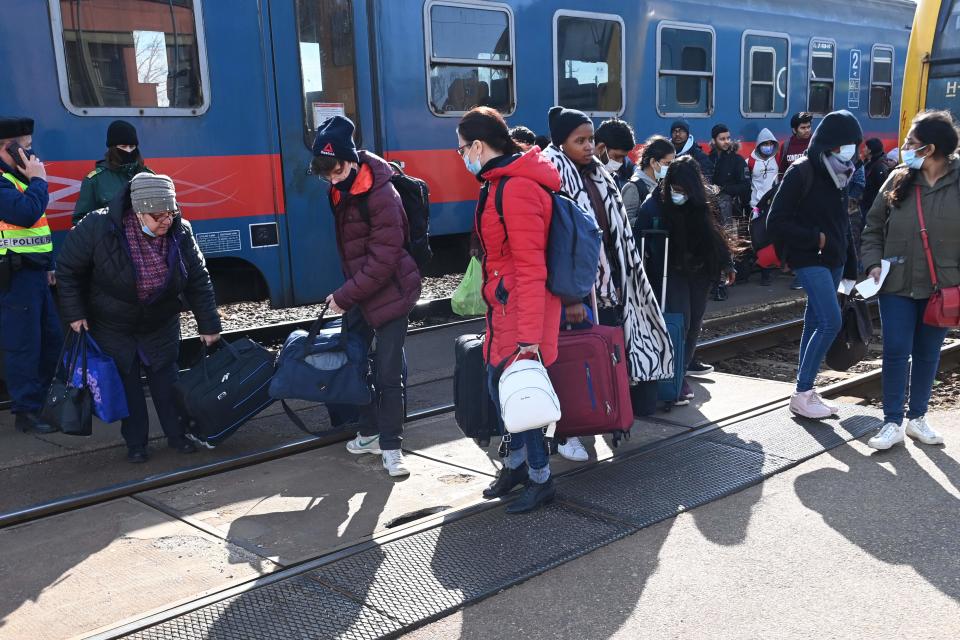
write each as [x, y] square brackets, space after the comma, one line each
[722, 395]
[72, 573]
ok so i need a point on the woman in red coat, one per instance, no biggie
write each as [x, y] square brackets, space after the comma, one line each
[522, 315]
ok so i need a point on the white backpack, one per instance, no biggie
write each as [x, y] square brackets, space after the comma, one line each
[527, 398]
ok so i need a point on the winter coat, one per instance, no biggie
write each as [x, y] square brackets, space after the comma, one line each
[102, 184]
[97, 281]
[372, 232]
[691, 148]
[730, 172]
[763, 171]
[796, 220]
[520, 309]
[24, 209]
[791, 152]
[875, 174]
[893, 232]
[635, 192]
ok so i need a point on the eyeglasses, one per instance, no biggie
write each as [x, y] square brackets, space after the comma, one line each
[166, 216]
[463, 148]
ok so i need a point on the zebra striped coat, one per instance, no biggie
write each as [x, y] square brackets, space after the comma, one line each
[621, 281]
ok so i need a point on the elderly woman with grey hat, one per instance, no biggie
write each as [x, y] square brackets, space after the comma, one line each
[121, 275]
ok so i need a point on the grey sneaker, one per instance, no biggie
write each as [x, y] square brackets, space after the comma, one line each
[393, 463]
[918, 429]
[364, 444]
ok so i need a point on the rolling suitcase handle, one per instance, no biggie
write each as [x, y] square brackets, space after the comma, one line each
[666, 257]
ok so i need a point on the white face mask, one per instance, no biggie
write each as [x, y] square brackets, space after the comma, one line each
[661, 173]
[679, 199]
[909, 157]
[846, 152]
[613, 165]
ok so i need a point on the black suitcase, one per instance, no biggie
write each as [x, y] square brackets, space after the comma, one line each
[474, 411]
[225, 389]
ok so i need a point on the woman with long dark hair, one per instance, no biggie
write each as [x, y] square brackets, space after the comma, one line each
[929, 178]
[523, 317]
[699, 252]
[808, 220]
[111, 175]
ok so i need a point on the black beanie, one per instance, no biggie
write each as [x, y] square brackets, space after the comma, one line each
[121, 132]
[875, 145]
[335, 140]
[717, 130]
[680, 124]
[15, 127]
[563, 122]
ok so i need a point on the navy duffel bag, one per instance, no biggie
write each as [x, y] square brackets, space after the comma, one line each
[328, 366]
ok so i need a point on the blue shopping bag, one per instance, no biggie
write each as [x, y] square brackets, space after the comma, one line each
[103, 380]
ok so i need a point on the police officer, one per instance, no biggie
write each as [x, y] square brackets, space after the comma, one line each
[30, 334]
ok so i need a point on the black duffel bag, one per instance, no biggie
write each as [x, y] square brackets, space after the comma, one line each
[228, 387]
[856, 332]
[474, 411]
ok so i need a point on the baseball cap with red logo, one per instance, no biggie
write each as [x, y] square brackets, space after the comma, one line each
[335, 139]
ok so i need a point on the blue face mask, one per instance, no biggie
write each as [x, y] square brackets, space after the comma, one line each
[679, 199]
[473, 166]
[146, 231]
[909, 157]
[661, 173]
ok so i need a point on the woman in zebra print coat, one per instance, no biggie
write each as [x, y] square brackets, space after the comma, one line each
[624, 294]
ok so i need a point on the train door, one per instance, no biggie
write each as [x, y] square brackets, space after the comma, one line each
[315, 65]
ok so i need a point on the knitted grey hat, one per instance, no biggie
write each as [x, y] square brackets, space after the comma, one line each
[151, 193]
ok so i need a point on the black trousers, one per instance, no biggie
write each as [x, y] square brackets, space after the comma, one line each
[385, 414]
[136, 427]
[688, 295]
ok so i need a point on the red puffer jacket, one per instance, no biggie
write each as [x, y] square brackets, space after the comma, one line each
[520, 310]
[381, 276]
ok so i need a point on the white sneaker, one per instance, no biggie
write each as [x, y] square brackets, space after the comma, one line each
[364, 444]
[918, 429]
[573, 450]
[806, 404]
[890, 434]
[833, 406]
[393, 463]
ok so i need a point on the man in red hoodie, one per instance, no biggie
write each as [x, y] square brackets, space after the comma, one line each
[793, 150]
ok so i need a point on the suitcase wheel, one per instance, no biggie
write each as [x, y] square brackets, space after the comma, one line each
[201, 443]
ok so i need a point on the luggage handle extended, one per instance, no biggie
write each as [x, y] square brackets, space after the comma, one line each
[666, 256]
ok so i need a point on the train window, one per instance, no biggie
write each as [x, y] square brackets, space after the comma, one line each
[325, 33]
[881, 81]
[823, 65]
[589, 62]
[147, 59]
[685, 69]
[765, 59]
[943, 85]
[469, 57]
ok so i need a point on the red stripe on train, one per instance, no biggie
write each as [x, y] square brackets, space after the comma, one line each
[208, 187]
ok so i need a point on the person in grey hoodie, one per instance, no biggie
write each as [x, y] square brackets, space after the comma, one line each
[658, 153]
[763, 166]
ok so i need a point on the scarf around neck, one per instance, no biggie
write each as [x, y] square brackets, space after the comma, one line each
[840, 171]
[150, 258]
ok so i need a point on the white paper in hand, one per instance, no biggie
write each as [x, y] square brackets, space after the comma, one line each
[868, 288]
[846, 286]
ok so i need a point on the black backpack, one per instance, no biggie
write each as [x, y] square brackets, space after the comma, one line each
[759, 236]
[415, 197]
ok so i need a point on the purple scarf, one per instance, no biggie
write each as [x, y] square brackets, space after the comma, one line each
[149, 257]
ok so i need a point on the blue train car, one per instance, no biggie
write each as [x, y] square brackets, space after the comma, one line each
[226, 95]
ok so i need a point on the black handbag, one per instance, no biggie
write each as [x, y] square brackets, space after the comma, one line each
[67, 407]
[856, 332]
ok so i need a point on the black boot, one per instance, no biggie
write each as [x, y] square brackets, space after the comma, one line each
[26, 422]
[506, 480]
[137, 455]
[533, 497]
[182, 445]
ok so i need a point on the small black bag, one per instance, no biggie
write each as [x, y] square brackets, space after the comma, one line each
[226, 389]
[856, 331]
[67, 407]
[475, 413]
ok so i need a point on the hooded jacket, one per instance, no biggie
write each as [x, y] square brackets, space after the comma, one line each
[797, 220]
[520, 309]
[730, 172]
[102, 184]
[763, 171]
[371, 226]
[97, 281]
[691, 148]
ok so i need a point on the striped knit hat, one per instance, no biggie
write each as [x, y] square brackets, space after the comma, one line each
[151, 193]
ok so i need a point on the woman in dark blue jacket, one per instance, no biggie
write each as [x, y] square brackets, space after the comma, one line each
[810, 226]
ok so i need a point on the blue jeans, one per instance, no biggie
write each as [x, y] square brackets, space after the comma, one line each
[821, 321]
[906, 338]
[532, 440]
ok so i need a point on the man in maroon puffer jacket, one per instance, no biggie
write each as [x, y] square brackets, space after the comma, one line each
[382, 281]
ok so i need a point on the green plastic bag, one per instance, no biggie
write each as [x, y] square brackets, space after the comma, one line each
[467, 300]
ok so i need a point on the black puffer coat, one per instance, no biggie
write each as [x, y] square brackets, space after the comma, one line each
[97, 282]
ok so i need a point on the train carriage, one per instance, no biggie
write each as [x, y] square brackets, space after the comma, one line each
[227, 95]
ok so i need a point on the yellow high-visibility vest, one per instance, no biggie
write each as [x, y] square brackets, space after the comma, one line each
[36, 239]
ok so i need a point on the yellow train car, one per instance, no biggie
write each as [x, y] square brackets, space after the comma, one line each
[931, 78]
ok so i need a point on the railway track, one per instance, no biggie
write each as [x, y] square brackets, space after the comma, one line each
[712, 350]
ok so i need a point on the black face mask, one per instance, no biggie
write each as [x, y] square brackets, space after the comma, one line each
[345, 184]
[127, 157]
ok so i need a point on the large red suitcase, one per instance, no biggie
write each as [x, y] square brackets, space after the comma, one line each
[590, 378]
